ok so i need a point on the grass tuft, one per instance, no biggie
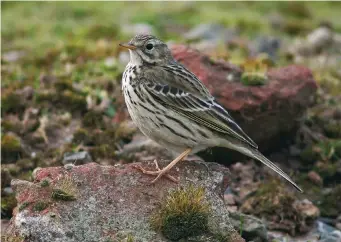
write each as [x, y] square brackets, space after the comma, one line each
[183, 213]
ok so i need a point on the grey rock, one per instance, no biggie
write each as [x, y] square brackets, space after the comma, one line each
[320, 233]
[77, 157]
[113, 202]
[266, 44]
[252, 228]
[13, 56]
[211, 32]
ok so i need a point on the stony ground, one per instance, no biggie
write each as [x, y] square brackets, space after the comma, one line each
[60, 93]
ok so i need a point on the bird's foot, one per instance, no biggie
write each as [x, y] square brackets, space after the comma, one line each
[158, 173]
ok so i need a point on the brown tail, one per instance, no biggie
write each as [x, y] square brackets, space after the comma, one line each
[254, 153]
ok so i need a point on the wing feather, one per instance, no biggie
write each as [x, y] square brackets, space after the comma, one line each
[206, 112]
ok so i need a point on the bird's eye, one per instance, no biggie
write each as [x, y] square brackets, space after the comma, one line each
[149, 46]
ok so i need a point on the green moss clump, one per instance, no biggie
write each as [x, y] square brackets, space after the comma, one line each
[333, 130]
[40, 206]
[10, 126]
[330, 205]
[45, 183]
[7, 238]
[102, 31]
[8, 203]
[274, 203]
[63, 99]
[310, 154]
[11, 103]
[102, 151]
[10, 148]
[82, 136]
[59, 194]
[25, 164]
[73, 101]
[295, 9]
[253, 79]
[183, 213]
[23, 205]
[295, 27]
[93, 119]
[62, 85]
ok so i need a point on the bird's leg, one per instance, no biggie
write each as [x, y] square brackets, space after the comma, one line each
[159, 173]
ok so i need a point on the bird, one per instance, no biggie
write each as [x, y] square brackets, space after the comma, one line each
[171, 106]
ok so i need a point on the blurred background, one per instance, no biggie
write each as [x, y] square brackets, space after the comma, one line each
[61, 72]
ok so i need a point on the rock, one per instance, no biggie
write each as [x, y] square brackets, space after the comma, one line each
[211, 32]
[281, 209]
[250, 227]
[113, 203]
[4, 225]
[306, 209]
[229, 199]
[276, 105]
[13, 56]
[266, 44]
[338, 222]
[315, 178]
[320, 38]
[320, 233]
[79, 157]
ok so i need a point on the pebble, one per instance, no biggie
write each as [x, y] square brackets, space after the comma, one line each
[315, 178]
[79, 157]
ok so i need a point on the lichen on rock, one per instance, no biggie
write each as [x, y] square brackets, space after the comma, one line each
[117, 200]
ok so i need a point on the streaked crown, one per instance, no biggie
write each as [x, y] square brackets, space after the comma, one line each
[148, 49]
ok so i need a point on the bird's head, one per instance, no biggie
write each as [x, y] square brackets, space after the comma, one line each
[148, 49]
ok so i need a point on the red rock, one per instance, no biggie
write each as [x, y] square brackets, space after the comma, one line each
[111, 202]
[315, 178]
[264, 112]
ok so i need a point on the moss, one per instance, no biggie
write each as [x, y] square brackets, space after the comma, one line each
[274, 203]
[333, 129]
[310, 154]
[102, 31]
[62, 85]
[330, 205]
[65, 189]
[93, 119]
[25, 164]
[45, 183]
[295, 27]
[183, 213]
[102, 151]
[5, 177]
[25, 175]
[59, 194]
[64, 99]
[8, 203]
[10, 126]
[11, 103]
[40, 206]
[73, 101]
[330, 150]
[10, 148]
[23, 205]
[81, 136]
[253, 79]
[295, 9]
[327, 170]
[6, 238]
